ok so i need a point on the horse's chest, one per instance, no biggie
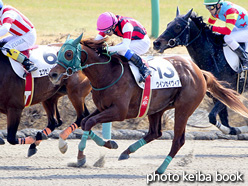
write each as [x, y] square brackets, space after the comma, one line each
[101, 102]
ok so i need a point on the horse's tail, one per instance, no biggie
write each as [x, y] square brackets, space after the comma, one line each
[228, 96]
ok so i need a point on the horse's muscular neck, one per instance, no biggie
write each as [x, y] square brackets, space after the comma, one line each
[97, 74]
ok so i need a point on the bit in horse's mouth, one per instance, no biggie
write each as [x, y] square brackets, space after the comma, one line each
[55, 81]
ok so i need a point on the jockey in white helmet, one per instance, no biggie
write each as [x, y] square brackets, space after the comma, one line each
[23, 35]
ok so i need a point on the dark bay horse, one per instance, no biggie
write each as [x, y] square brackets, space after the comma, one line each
[117, 96]
[206, 50]
[77, 87]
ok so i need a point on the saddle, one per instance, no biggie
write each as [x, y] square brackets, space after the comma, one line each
[234, 62]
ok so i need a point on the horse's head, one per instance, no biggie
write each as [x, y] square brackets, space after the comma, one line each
[176, 33]
[69, 60]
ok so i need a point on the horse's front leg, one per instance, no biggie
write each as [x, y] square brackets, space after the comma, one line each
[108, 115]
[50, 107]
[98, 140]
[153, 133]
[77, 89]
[81, 113]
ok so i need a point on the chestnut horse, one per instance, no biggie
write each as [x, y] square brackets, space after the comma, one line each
[77, 87]
[118, 97]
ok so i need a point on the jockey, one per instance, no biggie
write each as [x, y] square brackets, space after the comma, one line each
[235, 30]
[135, 39]
[23, 35]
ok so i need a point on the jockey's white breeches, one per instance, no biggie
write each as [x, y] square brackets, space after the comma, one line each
[20, 43]
[139, 47]
[238, 35]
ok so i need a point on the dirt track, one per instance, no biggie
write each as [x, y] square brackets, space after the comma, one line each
[49, 166]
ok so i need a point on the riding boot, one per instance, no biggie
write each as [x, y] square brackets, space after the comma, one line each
[243, 57]
[29, 66]
[21, 58]
[144, 71]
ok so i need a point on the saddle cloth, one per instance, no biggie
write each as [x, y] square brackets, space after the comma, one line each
[43, 56]
[163, 74]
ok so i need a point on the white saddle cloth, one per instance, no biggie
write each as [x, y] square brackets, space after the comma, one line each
[43, 56]
[163, 74]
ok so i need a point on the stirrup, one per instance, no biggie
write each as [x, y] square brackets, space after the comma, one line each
[244, 68]
[32, 68]
[143, 78]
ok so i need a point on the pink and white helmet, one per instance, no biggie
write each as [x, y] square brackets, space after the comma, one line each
[105, 21]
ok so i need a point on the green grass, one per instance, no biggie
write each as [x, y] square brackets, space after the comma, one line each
[54, 17]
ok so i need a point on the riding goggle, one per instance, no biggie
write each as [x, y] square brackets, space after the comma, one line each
[210, 7]
[108, 31]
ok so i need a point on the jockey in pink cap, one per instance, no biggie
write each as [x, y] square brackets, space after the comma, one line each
[135, 39]
[23, 35]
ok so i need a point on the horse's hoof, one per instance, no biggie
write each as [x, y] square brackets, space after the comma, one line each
[113, 144]
[123, 156]
[81, 162]
[32, 152]
[62, 146]
[2, 141]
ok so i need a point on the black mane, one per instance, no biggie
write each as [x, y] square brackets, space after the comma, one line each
[216, 38]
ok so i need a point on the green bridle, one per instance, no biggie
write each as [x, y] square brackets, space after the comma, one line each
[73, 63]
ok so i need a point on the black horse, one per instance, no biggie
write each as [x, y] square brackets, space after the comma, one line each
[206, 50]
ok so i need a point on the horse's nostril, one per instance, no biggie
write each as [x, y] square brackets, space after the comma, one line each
[156, 43]
[53, 75]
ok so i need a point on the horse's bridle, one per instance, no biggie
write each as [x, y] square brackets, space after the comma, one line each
[74, 65]
[177, 41]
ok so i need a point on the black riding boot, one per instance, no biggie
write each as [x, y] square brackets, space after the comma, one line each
[144, 71]
[243, 57]
[29, 66]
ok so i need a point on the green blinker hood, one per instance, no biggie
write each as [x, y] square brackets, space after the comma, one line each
[75, 47]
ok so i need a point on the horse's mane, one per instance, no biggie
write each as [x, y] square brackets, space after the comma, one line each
[214, 37]
[96, 44]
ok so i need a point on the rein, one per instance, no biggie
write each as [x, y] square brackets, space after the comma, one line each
[103, 63]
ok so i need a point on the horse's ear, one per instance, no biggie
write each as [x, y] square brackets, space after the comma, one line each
[178, 11]
[186, 17]
[76, 41]
[68, 37]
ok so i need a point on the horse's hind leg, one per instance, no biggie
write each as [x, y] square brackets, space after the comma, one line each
[153, 133]
[221, 109]
[13, 120]
[182, 113]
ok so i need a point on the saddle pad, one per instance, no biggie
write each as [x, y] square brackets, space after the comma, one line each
[43, 56]
[232, 58]
[163, 74]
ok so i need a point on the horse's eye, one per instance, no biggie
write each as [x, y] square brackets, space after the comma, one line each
[69, 55]
[178, 27]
